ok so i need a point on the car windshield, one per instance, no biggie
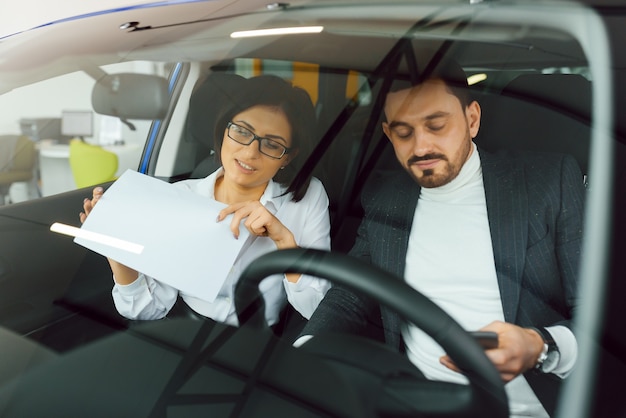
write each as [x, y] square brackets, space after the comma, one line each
[92, 97]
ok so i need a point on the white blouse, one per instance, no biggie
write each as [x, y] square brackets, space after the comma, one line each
[146, 298]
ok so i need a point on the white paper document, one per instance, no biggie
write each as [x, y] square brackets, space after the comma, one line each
[172, 233]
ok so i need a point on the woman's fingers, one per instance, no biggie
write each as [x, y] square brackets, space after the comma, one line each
[238, 215]
[239, 211]
[255, 218]
[88, 204]
[258, 220]
[230, 209]
[97, 193]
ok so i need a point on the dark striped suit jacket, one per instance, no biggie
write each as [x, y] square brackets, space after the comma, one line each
[535, 210]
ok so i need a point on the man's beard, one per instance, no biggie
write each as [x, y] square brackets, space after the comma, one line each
[429, 178]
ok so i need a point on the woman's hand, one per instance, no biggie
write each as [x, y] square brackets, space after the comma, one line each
[260, 222]
[88, 204]
[121, 274]
[518, 350]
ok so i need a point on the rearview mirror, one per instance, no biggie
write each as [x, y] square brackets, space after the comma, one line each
[131, 96]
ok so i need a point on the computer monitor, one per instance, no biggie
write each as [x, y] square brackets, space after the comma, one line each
[41, 128]
[77, 123]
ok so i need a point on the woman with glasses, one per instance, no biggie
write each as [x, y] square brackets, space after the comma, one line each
[262, 138]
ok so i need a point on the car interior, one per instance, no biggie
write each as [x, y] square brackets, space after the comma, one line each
[92, 303]
[537, 100]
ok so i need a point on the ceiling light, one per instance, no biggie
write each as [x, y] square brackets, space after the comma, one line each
[277, 31]
[276, 6]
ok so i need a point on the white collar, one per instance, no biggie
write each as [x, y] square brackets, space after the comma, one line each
[273, 194]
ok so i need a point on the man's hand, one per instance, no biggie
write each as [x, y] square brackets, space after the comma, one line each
[518, 350]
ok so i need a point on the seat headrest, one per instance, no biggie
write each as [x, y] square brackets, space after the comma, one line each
[206, 103]
[539, 112]
[566, 93]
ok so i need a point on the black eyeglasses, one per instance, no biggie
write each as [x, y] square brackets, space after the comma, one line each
[245, 136]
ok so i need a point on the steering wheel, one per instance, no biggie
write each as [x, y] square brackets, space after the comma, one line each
[404, 393]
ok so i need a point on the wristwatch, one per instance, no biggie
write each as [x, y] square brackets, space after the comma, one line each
[550, 355]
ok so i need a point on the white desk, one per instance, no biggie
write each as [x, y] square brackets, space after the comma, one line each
[54, 164]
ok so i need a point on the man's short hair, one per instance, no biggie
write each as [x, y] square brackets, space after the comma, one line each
[445, 69]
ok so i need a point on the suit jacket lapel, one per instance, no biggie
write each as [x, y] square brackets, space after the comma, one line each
[403, 211]
[507, 203]
[399, 200]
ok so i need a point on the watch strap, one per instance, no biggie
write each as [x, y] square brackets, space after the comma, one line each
[549, 356]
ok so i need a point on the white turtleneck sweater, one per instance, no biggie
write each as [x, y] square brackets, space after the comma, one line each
[450, 260]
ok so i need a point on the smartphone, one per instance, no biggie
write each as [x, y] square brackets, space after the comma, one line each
[486, 339]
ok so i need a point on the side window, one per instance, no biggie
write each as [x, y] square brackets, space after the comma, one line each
[39, 121]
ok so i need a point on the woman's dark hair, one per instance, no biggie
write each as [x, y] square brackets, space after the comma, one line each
[270, 90]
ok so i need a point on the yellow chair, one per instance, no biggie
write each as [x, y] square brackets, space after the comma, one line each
[17, 162]
[91, 164]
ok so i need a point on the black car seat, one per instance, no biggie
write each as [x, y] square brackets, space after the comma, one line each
[539, 112]
[206, 103]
